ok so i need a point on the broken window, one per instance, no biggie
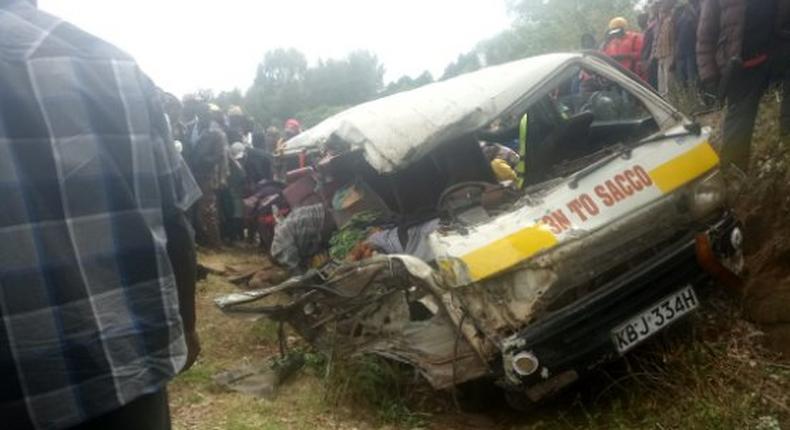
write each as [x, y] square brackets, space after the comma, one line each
[414, 192]
[570, 123]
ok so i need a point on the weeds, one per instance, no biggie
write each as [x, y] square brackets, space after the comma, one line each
[265, 331]
[382, 385]
[690, 99]
[706, 377]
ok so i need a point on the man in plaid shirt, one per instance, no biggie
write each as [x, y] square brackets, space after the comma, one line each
[92, 227]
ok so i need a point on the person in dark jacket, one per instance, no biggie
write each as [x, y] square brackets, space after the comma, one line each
[741, 47]
[588, 42]
[232, 196]
[210, 168]
[258, 163]
[686, 44]
[650, 32]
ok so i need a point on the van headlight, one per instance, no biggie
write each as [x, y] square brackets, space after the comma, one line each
[708, 195]
[525, 363]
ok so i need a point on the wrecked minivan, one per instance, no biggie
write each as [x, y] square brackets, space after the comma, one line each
[610, 232]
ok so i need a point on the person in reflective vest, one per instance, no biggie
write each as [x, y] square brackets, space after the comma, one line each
[521, 167]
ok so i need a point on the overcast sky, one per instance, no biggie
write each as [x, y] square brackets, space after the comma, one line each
[189, 44]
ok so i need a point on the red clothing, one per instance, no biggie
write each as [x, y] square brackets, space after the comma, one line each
[627, 50]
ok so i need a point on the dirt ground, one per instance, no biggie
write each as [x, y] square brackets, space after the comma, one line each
[198, 403]
[721, 370]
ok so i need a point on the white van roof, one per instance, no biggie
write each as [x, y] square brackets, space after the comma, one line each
[397, 130]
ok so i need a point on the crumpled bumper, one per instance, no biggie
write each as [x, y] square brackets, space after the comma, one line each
[578, 337]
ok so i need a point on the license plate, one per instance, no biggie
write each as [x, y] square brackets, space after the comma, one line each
[653, 319]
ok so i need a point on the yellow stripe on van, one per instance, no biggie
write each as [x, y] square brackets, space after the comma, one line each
[507, 252]
[683, 169]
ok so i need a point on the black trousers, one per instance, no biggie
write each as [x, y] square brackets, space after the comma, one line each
[743, 102]
[149, 412]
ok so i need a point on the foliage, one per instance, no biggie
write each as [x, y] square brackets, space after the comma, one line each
[226, 99]
[286, 87]
[313, 115]
[352, 80]
[406, 83]
[465, 63]
[543, 26]
[277, 91]
[559, 24]
[382, 385]
[508, 45]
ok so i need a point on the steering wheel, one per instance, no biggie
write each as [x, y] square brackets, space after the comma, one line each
[462, 196]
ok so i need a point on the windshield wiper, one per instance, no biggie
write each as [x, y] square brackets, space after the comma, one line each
[693, 128]
[618, 150]
[624, 150]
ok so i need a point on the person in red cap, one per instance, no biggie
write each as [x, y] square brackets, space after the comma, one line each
[293, 124]
[291, 128]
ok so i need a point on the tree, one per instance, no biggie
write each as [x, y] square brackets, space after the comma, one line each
[277, 91]
[406, 83]
[281, 67]
[314, 115]
[509, 45]
[557, 25]
[366, 74]
[349, 81]
[543, 26]
[286, 87]
[424, 79]
[226, 99]
[465, 63]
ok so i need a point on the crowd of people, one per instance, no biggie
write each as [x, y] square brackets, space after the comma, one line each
[727, 51]
[662, 50]
[230, 159]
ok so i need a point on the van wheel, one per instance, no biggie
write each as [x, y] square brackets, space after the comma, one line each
[520, 401]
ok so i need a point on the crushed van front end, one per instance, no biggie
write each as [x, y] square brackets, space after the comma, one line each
[571, 341]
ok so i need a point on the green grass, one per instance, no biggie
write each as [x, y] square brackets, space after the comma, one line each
[381, 385]
[199, 376]
[265, 331]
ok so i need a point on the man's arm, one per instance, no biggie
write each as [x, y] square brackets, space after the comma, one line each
[181, 250]
[178, 192]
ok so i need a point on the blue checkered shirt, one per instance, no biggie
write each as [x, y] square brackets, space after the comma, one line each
[88, 303]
